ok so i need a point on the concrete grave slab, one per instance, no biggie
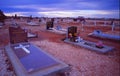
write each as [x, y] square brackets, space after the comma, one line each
[91, 46]
[31, 35]
[35, 63]
[61, 31]
[98, 33]
[33, 24]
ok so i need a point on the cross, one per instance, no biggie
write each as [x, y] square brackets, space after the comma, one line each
[95, 22]
[23, 47]
[82, 25]
[113, 26]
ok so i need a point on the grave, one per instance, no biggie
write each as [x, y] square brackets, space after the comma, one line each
[17, 34]
[91, 46]
[32, 24]
[73, 38]
[58, 29]
[32, 35]
[54, 30]
[29, 60]
[99, 33]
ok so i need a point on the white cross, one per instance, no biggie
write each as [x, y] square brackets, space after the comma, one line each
[95, 22]
[82, 25]
[113, 26]
[23, 47]
[104, 23]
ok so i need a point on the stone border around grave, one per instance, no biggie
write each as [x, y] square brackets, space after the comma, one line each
[20, 71]
[63, 32]
[82, 44]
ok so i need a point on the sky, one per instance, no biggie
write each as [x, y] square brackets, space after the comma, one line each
[61, 8]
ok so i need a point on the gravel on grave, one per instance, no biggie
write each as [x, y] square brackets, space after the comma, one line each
[6, 68]
[82, 61]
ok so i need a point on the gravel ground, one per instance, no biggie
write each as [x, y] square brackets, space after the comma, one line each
[6, 68]
[83, 62]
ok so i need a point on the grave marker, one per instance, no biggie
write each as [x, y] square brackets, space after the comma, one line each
[35, 63]
[23, 47]
[113, 26]
[17, 35]
[91, 45]
[72, 32]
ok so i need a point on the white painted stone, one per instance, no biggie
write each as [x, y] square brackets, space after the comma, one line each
[23, 47]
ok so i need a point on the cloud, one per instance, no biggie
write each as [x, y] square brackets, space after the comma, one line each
[61, 8]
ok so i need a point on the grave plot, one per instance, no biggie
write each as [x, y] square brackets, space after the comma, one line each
[91, 46]
[32, 35]
[32, 24]
[58, 29]
[100, 34]
[62, 31]
[72, 38]
[29, 60]
[17, 34]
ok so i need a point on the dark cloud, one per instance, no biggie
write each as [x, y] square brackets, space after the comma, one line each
[57, 5]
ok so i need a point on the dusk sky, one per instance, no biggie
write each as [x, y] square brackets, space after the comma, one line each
[61, 8]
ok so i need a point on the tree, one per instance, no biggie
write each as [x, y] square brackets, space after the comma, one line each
[2, 16]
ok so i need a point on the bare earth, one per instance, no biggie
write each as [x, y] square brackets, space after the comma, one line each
[83, 62]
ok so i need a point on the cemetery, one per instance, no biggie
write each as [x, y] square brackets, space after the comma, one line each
[33, 51]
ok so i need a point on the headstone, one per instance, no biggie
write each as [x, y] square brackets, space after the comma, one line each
[17, 35]
[72, 33]
[49, 25]
[16, 16]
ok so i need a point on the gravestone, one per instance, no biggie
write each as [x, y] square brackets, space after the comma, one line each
[17, 35]
[49, 25]
[72, 33]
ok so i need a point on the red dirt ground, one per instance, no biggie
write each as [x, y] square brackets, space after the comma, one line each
[83, 61]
